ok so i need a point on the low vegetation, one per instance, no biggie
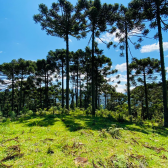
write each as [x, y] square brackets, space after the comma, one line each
[77, 139]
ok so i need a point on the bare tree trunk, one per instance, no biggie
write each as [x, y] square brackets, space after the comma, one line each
[62, 85]
[128, 83]
[93, 83]
[162, 66]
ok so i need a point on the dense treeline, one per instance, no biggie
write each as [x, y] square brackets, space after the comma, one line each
[40, 84]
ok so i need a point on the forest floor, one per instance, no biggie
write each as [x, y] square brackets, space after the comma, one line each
[81, 141]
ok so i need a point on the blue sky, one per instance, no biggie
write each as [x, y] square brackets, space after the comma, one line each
[20, 37]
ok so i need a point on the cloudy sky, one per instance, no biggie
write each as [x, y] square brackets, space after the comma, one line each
[20, 37]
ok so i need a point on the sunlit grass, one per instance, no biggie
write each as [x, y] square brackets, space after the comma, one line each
[47, 141]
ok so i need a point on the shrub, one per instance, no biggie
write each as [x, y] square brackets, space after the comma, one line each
[139, 121]
[130, 118]
[115, 132]
[65, 111]
[12, 114]
[24, 110]
[103, 133]
[120, 118]
[120, 162]
[89, 110]
[30, 112]
[44, 112]
[6, 120]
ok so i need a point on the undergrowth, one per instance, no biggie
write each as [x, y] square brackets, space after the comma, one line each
[60, 138]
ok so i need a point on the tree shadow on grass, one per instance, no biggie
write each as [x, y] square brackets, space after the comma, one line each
[98, 123]
[89, 122]
[71, 124]
[42, 121]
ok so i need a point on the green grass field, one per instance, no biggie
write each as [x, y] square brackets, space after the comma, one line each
[81, 141]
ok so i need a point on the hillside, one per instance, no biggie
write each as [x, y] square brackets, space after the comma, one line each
[81, 141]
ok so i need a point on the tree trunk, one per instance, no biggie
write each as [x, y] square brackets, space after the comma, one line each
[62, 84]
[80, 95]
[162, 66]
[20, 104]
[142, 112]
[67, 71]
[128, 83]
[87, 99]
[146, 95]
[96, 89]
[55, 100]
[23, 96]
[77, 86]
[47, 91]
[93, 83]
[105, 100]
[40, 96]
[13, 90]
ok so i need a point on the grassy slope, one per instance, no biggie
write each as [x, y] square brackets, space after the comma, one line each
[68, 137]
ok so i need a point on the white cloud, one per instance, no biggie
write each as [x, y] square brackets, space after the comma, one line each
[109, 37]
[166, 69]
[70, 40]
[106, 38]
[1, 52]
[153, 47]
[122, 78]
[121, 67]
[134, 31]
[112, 37]
[166, 56]
[121, 88]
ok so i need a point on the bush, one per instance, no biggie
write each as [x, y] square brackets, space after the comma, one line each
[65, 111]
[6, 120]
[120, 118]
[103, 133]
[115, 132]
[12, 114]
[89, 110]
[139, 121]
[130, 118]
[24, 110]
[30, 112]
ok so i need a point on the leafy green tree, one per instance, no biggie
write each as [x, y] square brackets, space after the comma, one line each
[46, 68]
[61, 21]
[96, 14]
[87, 76]
[9, 70]
[145, 67]
[59, 57]
[116, 99]
[126, 28]
[76, 68]
[103, 69]
[154, 11]
[24, 68]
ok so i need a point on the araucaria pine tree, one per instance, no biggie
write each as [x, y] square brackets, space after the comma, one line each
[61, 21]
